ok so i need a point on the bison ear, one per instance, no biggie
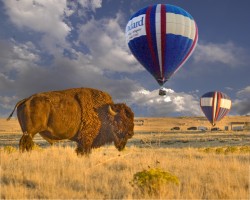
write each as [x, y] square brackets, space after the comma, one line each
[111, 111]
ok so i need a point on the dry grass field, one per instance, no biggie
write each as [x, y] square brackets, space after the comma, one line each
[208, 165]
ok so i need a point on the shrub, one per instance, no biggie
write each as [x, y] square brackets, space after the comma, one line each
[208, 150]
[219, 150]
[9, 149]
[152, 181]
[231, 150]
[245, 149]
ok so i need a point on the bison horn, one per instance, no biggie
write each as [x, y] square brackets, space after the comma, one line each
[112, 112]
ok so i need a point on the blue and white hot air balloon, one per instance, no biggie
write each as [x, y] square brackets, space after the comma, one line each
[215, 105]
[162, 37]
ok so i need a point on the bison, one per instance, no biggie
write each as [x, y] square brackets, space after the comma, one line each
[84, 115]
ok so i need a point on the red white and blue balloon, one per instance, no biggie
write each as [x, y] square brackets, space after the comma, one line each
[162, 37]
[215, 105]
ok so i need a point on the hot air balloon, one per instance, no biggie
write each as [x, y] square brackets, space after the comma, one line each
[162, 37]
[215, 105]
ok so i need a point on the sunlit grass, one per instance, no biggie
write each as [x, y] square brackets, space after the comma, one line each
[57, 172]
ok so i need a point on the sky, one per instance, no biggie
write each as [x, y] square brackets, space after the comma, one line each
[48, 45]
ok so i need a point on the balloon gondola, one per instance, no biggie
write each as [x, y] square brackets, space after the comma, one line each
[162, 92]
[161, 37]
[215, 105]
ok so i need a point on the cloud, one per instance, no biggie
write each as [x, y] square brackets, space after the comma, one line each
[103, 39]
[242, 104]
[242, 107]
[172, 103]
[244, 93]
[91, 4]
[15, 57]
[50, 18]
[106, 42]
[41, 16]
[22, 74]
[6, 102]
[228, 53]
[5, 83]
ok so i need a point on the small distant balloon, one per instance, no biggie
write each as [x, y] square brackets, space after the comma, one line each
[162, 37]
[215, 105]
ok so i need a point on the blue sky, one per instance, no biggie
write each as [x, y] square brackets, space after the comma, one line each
[58, 44]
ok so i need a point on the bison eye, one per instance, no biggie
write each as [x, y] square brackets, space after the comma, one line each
[128, 113]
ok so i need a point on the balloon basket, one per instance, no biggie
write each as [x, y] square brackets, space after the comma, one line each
[162, 92]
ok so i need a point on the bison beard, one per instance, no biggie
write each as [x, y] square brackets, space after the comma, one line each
[86, 116]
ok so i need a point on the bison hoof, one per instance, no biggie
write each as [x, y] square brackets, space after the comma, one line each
[82, 152]
[26, 143]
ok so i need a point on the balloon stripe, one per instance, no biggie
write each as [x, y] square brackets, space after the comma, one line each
[222, 113]
[207, 111]
[150, 42]
[158, 36]
[214, 107]
[218, 105]
[163, 38]
[191, 49]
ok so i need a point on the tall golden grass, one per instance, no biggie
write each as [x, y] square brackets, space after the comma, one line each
[58, 173]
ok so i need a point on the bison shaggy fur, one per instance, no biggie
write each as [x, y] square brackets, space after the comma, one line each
[84, 115]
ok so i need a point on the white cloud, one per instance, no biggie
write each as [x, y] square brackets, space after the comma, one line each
[227, 53]
[20, 73]
[172, 103]
[104, 38]
[92, 4]
[5, 83]
[82, 8]
[242, 104]
[106, 41]
[244, 93]
[41, 16]
[48, 17]
[6, 102]
[18, 57]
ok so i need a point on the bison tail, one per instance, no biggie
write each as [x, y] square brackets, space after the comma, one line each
[18, 104]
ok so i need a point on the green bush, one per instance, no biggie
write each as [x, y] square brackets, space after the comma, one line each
[152, 181]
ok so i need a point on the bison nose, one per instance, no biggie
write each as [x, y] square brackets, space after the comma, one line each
[130, 134]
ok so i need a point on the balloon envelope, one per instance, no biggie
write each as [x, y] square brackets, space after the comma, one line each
[215, 105]
[161, 37]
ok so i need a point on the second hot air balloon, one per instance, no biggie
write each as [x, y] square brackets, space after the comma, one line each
[215, 105]
[162, 37]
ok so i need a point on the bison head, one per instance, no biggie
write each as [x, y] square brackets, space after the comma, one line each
[122, 124]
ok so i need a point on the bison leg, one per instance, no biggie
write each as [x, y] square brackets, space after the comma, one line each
[84, 146]
[83, 150]
[26, 142]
